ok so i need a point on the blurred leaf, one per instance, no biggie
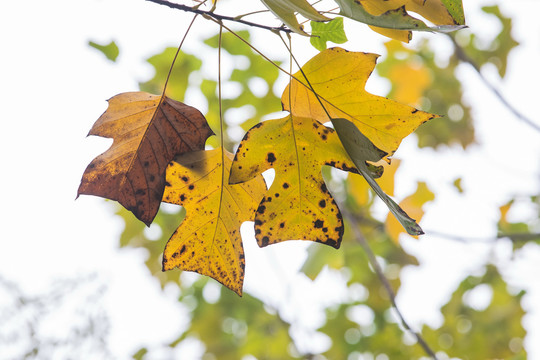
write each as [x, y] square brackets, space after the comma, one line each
[475, 331]
[443, 95]
[331, 31]
[413, 205]
[110, 50]
[179, 80]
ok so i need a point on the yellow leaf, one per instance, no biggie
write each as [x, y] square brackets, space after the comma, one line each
[148, 132]
[338, 77]
[432, 10]
[412, 204]
[298, 205]
[208, 241]
[399, 35]
[359, 188]
[409, 82]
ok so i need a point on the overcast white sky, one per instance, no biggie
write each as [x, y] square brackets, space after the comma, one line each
[53, 88]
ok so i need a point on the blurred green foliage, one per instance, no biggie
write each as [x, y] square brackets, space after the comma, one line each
[364, 323]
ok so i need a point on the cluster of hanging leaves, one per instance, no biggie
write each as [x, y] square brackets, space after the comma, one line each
[231, 328]
[158, 154]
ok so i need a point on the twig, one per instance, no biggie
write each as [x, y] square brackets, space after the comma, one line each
[514, 237]
[460, 53]
[382, 278]
[210, 14]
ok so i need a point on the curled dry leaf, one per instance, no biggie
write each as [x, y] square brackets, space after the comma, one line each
[148, 132]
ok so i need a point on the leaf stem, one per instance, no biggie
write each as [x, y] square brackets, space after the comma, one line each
[178, 52]
[212, 15]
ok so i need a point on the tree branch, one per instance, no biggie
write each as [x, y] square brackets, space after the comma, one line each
[460, 53]
[210, 14]
[380, 274]
[514, 237]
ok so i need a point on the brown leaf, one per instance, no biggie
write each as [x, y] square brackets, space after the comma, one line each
[148, 132]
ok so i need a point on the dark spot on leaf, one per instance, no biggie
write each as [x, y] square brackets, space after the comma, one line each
[183, 249]
[325, 229]
[414, 111]
[323, 188]
[323, 136]
[276, 195]
[152, 178]
[270, 157]
[265, 240]
[318, 224]
[282, 225]
[146, 163]
[285, 185]
[140, 192]
[261, 209]
[191, 187]
[268, 199]
[258, 222]
[175, 255]
[182, 197]
[167, 183]
[258, 231]
[185, 179]
[322, 203]
[333, 243]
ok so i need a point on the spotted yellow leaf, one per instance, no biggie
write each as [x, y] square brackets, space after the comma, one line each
[208, 240]
[297, 206]
[339, 77]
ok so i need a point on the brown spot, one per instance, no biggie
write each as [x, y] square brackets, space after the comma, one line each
[282, 225]
[318, 223]
[152, 178]
[191, 187]
[323, 188]
[185, 179]
[285, 185]
[182, 197]
[261, 209]
[414, 111]
[265, 240]
[325, 229]
[322, 203]
[175, 255]
[183, 249]
[146, 163]
[167, 183]
[258, 222]
[276, 195]
[140, 192]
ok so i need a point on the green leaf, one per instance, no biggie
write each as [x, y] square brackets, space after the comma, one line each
[110, 50]
[285, 10]
[397, 19]
[331, 31]
[455, 8]
[360, 150]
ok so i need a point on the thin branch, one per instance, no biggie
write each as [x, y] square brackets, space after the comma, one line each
[382, 278]
[460, 52]
[514, 237]
[212, 15]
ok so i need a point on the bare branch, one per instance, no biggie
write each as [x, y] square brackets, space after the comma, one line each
[210, 14]
[380, 274]
[460, 53]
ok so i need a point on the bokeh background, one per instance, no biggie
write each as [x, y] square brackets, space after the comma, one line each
[81, 279]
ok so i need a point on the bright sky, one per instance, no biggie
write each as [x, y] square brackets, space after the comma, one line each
[54, 87]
